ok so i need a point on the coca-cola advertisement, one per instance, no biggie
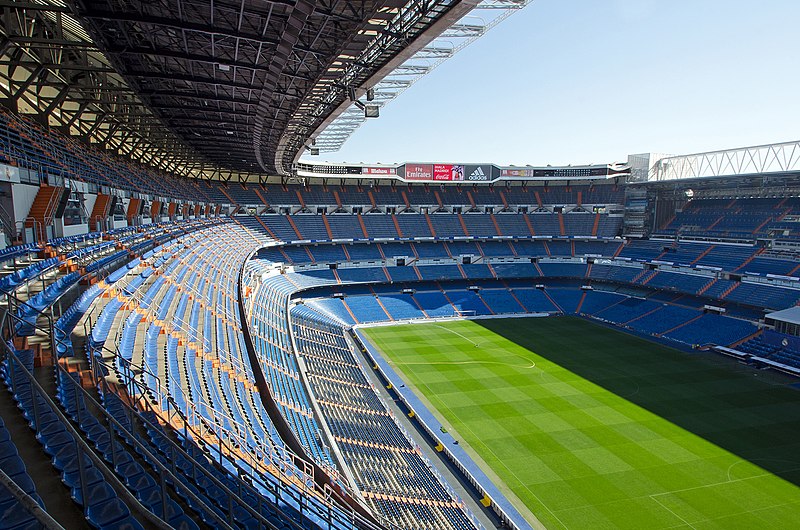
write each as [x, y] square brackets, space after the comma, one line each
[442, 171]
[448, 172]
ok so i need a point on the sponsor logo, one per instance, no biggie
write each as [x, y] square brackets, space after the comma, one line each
[448, 172]
[478, 173]
[442, 172]
[419, 172]
[378, 171]
[517, 173]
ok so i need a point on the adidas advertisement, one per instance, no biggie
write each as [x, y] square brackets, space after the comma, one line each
[478, 173]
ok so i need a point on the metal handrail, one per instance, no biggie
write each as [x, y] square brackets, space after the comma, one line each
[219, 417]
[28, 503]
[287, 461]
[11, 319]
[301, 497]
[83, 449]
[99, 367]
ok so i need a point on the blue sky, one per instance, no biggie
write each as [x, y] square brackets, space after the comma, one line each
[591, 81]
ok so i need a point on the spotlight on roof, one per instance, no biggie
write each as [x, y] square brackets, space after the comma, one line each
[370, 94]
[370, 111]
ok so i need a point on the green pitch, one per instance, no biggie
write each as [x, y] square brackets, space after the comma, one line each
[593, 428]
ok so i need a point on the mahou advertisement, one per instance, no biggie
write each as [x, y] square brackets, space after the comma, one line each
[378, 171]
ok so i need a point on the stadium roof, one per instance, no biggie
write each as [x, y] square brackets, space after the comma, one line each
[790, 315]
[211, 88]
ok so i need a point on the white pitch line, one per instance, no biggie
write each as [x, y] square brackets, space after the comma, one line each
[722, 483]
[690, 525]
[457, 333]
[489, 449]
[454, 363]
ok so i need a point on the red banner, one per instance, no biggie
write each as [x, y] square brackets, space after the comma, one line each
[419, 172]
[448, 172]
[378, 171]
[442, 171]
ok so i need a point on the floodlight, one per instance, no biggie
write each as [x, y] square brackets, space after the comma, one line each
[372, 111]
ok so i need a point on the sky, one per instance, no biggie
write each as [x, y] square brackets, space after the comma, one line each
[591, 81]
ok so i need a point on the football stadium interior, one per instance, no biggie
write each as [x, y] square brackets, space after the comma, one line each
[200, 330]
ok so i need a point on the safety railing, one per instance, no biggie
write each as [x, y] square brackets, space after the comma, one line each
[118, 433]
[28, 504]
[231, 443]
[84, 453]
[431, 467]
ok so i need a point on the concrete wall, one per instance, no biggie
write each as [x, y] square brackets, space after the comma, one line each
[23, 195]
[88, 203]
[74, 230]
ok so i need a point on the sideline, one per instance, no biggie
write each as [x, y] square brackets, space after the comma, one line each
[436, 431]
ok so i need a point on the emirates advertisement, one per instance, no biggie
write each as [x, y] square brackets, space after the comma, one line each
[419, 171]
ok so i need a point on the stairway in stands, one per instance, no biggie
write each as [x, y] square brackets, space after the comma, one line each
[41, 213]
[100, 211]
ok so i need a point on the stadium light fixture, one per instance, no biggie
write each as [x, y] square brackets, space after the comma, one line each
[370, 111]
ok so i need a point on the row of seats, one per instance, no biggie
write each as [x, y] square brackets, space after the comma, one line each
[172, 324]
[376, 226]
[442, 264]
[740, 259]
[392, 475]
[738, 218]
[418, 195]
[653, 317]
[415, 511]
[102, 506]
[272, 345]
[25, 144]
[771, 346]
[12, 512]
[134, 476]
[302, 254]
[131, 472]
